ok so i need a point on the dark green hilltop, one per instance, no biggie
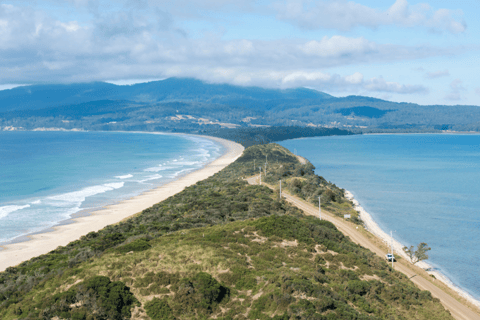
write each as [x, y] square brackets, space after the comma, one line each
[220, 249]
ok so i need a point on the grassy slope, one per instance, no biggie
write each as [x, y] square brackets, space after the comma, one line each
[219, 248]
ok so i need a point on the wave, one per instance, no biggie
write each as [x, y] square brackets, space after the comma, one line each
[187, 163]
[176, 174]
[6, 210]
[154, 177]
[176, 163]
[81, 195]
[159, 168]
[125, 176]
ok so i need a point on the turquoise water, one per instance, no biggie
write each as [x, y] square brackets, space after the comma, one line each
[424, 187]
[48, 177]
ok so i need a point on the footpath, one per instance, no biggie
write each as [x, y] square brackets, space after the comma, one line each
[458, 310]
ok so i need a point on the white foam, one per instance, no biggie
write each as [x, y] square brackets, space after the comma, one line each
[187, 163]
[114, 185]
[181, 171]
[157, 169]
[125, 176]
[154, 177]
[37, 202]
[79, 196]
[6, 210]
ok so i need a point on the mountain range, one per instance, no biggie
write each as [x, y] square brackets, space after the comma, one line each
[189, 105]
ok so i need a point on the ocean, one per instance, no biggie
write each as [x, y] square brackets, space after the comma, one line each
[46, 178]
[423, 187]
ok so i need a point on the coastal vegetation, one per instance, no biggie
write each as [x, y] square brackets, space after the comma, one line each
[419, 254]
[220, 249]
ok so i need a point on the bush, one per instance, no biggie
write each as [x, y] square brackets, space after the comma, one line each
[202, 292]
[137, 245]
[159, 310]
[358, 287]
[98, 296]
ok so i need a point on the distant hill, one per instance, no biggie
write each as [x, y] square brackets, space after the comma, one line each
[189, 105]
[44, 96]
[173, 89]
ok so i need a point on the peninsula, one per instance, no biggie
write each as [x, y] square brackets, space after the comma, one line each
[226, 249]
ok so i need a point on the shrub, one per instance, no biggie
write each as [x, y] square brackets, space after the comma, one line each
[98, 296]
[202, 292]
[136, 245]
[159, 309]
[358, 287]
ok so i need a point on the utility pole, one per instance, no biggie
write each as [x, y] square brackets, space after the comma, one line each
[266, 164]
[254, 164]
[280, 189]
[260, 169]
[319, 209]
[391, 240]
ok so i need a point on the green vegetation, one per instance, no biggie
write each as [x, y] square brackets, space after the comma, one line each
[419, 254]
[94, 298]
[159, 310]
[220, 248]
[263, 135]
[299, 179]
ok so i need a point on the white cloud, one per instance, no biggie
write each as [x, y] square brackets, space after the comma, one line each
[147, 44]
[142, 45]
[456, 88]
[337, 83]
[240, 47]
[338, 46]
[442, 20]
[344, 16]
[380, 85]
[437, 74]
[355, 78]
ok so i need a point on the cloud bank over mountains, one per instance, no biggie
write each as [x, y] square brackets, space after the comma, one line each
[95, 40]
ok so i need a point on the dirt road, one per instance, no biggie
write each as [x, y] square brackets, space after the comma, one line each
[458, 310]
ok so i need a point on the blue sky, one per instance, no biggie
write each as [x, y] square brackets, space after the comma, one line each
[424, 52]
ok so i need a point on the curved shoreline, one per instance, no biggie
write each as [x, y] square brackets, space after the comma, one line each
[372, 227]
[41, 243]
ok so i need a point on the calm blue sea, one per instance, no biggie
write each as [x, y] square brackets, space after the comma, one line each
[424, 187]
[48, 177]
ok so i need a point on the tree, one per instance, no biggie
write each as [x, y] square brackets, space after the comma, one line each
[418, 255]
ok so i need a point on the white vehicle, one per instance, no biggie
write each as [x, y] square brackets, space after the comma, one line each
[390, 257]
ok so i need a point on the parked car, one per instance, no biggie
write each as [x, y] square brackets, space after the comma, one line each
[390, 257]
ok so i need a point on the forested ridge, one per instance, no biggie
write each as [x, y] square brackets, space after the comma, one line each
[220, 249]
[188, 105]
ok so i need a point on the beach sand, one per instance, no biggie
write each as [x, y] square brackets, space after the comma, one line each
[43, 243]
[373, 228]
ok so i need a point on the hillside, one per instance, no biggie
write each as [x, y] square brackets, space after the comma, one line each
[189, 105]
[220, 249]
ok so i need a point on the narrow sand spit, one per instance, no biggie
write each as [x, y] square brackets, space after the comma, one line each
[43, 243]
[373, 228]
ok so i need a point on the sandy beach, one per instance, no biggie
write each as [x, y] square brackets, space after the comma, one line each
[43, 243]
[373, 228]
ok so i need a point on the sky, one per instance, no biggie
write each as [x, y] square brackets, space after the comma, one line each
[424, 52]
